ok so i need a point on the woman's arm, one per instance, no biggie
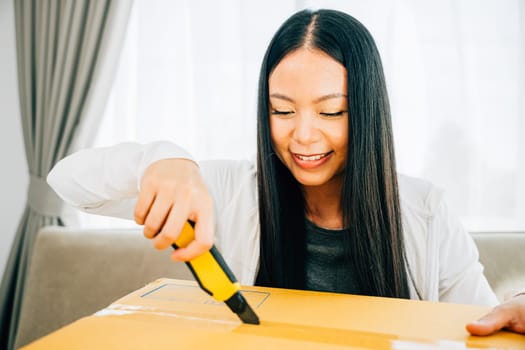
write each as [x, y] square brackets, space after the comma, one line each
[461, 278]
[105, 181]
[155, 184]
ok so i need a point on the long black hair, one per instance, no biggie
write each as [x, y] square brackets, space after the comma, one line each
[369, 198]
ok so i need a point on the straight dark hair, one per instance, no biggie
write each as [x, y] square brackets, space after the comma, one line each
[370, 199]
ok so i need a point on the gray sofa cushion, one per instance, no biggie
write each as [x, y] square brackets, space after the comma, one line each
[503, 256]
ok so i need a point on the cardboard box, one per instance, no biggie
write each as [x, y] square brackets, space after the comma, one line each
[177, 314]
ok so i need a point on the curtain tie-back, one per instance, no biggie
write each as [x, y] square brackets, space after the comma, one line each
[42, 199]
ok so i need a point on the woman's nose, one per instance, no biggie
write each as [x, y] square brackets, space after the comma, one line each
[305, 131]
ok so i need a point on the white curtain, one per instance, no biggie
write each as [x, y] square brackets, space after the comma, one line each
[455, 72]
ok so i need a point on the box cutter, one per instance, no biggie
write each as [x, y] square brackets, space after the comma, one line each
[216, 278]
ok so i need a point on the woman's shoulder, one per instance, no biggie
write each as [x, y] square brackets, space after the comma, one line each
[419, 195]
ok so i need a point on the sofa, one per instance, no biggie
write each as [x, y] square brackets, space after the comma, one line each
[74, 273]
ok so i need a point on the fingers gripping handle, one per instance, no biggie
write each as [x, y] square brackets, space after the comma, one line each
[209, 269]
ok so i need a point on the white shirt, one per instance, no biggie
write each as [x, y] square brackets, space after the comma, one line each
[442, 256]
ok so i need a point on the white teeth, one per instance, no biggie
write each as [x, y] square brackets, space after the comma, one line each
[310, 158]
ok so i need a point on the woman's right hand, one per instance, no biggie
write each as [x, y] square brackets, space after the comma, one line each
[172, 191]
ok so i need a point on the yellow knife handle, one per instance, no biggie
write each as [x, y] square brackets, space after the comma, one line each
[209, 269]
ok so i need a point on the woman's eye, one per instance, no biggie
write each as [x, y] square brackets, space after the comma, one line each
[276, 112]
[335, 114]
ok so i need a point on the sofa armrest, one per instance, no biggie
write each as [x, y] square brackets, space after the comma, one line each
[503, 256]
[74, 273]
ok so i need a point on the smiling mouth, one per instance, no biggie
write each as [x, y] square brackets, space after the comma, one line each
[312, 157]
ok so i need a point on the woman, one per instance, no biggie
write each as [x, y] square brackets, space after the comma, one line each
[321, 209]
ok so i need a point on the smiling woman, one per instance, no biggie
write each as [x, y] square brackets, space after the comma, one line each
[323, 208]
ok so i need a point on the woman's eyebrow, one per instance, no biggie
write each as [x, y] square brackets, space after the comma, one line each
[317, 100]
[329, 96]
[282, 97]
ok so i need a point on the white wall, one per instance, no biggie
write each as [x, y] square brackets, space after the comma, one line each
[13, 175]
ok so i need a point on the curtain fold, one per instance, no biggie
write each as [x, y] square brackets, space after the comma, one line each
[66, 51]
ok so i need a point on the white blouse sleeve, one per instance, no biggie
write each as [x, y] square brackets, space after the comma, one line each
[106, 181]
[461, 278]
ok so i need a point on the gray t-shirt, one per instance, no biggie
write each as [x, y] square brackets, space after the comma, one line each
[326, 267]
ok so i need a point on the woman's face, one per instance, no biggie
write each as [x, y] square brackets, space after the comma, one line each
[309, 116]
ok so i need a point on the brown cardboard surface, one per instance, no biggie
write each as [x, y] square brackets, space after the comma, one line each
[176, 314]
